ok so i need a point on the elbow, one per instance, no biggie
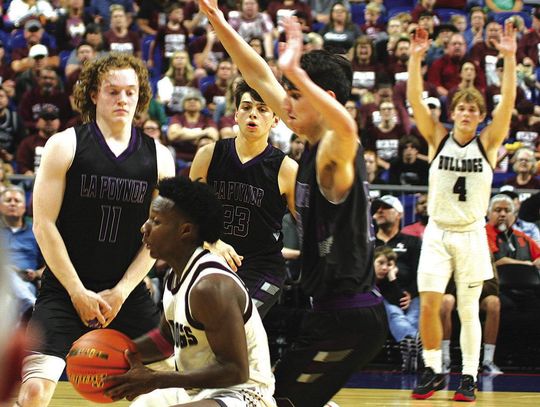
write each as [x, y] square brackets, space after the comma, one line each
[239, 373]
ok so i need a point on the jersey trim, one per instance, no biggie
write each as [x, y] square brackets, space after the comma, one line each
[483, 152]
[440, 147]
[172, 276]
[200, 269]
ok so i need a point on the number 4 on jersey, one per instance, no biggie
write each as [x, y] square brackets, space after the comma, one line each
[461, 189]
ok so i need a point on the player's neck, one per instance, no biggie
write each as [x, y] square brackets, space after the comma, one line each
[118, 131]
[181, 260]
[463, 137]
[248, 148]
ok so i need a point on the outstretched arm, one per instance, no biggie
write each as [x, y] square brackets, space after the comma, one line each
[339, 138]
[415, 86]
[253, 67]
[494, 134]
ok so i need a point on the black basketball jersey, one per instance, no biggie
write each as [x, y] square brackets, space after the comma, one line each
[337, 239]
[253, 206]
[106, 201]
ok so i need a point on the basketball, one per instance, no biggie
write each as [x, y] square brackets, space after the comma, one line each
[94, 356]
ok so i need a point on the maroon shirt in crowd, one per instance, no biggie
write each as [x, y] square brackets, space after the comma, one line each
[32, 102]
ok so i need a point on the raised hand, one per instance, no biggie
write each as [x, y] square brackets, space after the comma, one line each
[208, 6]
[419, 42]
[289, 59]
[507, 45]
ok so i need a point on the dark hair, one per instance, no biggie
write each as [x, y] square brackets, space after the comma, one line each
[241, 88]
[408, 139]
[92, 75]
[196, 201]
[329, 72]
[385, 251]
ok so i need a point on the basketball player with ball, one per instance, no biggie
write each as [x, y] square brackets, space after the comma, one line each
[92, 192]
[209, 321]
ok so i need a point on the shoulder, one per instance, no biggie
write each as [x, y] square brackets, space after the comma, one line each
[165, 160]
[63, 142]
[206, 152]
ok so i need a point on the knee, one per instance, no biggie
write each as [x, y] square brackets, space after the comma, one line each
[34, 393]
[492, 304]
[430, 309]
[448, 304]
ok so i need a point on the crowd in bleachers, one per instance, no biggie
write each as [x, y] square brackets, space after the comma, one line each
[45, 43]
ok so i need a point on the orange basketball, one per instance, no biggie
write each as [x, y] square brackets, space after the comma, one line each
[94, 356]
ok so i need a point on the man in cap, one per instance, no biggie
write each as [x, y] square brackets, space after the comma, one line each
[29, 152]
[441, 37]
[34, 34]
[403, 320]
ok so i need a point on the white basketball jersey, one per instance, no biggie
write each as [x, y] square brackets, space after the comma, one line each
[460, 180]
[191, 348]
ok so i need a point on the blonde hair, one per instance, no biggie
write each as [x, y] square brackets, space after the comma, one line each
[189, 71]
[469, 95]
[92, 75]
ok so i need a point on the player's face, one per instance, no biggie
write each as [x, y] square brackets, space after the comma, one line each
[117, 97]
[302, 118]
[160, 231]
[255, 119]
[467, 117]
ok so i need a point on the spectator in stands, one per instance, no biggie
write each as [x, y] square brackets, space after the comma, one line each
[340, 33]
[384, 136]
[187, 127]
[368, 112]
[24, 257]
[441, 34]
[48, 92]
[493, 91]
[475, 33]
[427, 21]
[460, 22]
[277, 9]
[206, 51]
[118, 38]
[528, 45]
[364, 65]
[85, 52]
[224, 114]
[385, 45]
[421, 216]
[153, 129]
[421, 7]
[170, 38]
[467, 76]
[444, 72]
[511, 247]
[530, 209]
[296, 148]
[484, 53]
[150, 16]
[6, 73]
[175, 83]
[407, 168]
[524, 165]
[21, 10]
[93, 37]
[526, 127]
[250, 22]
[403, 319]
[504, 5]
[372, 26]
[491, 305]
[434, 105]
[101, 10]
[397, 62]
[28, 156]
[529, 228]
[321, 9]
[21, 57]
[215, 92]
[71, 25]
[373, 169]
[12, 129]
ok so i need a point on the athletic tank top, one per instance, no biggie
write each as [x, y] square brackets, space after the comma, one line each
[106, 201]
[337, 240]
[253, 206]
[460, 180]
[191, 348]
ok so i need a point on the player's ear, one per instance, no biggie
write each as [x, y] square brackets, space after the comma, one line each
[187, 230]
[331, 93]
[276, 120]
[93, 97]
